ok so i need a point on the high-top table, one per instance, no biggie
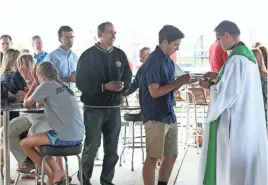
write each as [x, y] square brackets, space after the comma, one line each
[6, 108]
[124, 108]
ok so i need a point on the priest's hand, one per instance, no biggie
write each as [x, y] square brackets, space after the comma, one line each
[193, 80]
[210, 75]
[205, 83]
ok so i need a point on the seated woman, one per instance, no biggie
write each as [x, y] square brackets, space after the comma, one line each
[63, 114]
[6, 71]
[8, 67]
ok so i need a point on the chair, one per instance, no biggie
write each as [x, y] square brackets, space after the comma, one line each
[178, 96]
[207, 94]
[63, 151]
[196, 99]
[132, 119]
[125, 102]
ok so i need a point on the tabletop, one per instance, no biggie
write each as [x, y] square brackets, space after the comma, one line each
[130, 108]
[18, 107]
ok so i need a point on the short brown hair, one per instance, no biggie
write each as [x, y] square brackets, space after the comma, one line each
[145, 49]
[227, 27]
[36, 37]
[169, 33]
[101, 27]
[64, 29]
[6, 36]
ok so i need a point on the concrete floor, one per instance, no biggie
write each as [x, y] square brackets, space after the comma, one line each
[124, 175]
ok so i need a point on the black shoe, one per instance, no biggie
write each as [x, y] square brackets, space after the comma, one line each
[105, 182]
[84, 181]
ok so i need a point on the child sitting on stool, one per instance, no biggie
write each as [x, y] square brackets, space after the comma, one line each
[64, 117]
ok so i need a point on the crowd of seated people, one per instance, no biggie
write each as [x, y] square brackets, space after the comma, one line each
[23, 86]
[17, 73]
[23, 123]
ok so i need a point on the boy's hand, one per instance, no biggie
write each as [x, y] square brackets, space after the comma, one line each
[182, 80]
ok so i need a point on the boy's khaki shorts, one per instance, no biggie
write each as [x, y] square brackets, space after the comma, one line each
[161, 139]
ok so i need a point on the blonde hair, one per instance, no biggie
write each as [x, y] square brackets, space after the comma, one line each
[9, 61]
[50, 72]
[27, 60]
[262, 67]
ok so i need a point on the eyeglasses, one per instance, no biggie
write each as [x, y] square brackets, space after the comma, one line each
[219, 36]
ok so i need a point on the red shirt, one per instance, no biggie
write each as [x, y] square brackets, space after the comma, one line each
[217, 57]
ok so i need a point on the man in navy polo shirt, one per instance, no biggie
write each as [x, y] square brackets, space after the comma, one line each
[157, 86]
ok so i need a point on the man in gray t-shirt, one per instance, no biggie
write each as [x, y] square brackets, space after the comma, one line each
[62, 110]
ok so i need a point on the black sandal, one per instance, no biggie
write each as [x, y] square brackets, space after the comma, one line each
[62, 182]
[58, 183]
